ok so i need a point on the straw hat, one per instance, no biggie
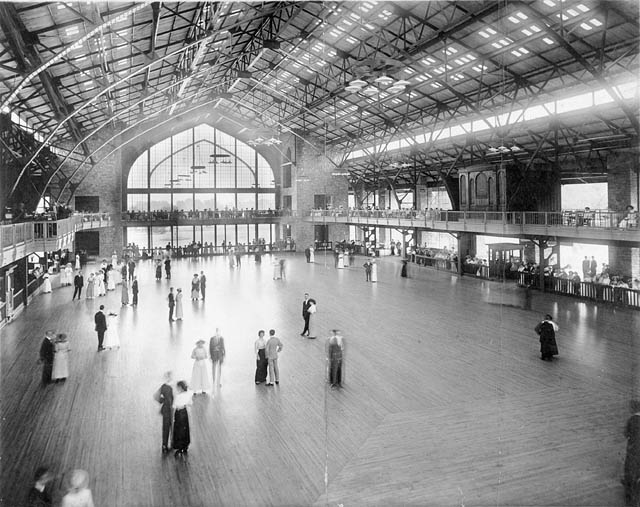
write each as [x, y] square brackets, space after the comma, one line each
[200, 342]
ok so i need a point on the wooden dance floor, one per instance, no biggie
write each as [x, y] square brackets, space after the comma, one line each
[446, 401]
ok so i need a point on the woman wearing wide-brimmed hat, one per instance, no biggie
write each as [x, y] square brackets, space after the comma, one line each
[78, 492]
[200, 378]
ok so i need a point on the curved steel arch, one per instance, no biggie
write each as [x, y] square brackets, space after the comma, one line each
[96, 97]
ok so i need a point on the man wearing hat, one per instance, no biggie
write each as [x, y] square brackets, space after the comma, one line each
[47, 351]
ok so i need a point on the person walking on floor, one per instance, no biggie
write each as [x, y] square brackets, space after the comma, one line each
[217, 353]
[203, 285]
[47, 351]
[306, 314]
[132, 268]
[164, 396]
[195, 287]
[101, 326]
[60, 369]
[179, 308]
[158, 270]
[367, 270]
[78, 492]
[631, 479]
[78, 283]
[200, 380]
[39, 494]
[261, 358]
[335, 358]
[181, 431]
[547, 332]
[125, 292]
[272, 348]
[167, 268]
[134, 290]
[172, 303]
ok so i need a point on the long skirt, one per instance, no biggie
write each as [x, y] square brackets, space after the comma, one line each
[548, 347]
[261, 366]
[200, 378]
[181, 433]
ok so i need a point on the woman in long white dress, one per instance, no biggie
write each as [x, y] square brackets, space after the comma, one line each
[91, 286]
[179, 308]
[111, 279]
[312, 317]
[200, 377]
[312, 255]
[112, 338]
[68, 274]
[60, 370]
[46, 284]
[374, 271]
[100, 290]
[125, 293]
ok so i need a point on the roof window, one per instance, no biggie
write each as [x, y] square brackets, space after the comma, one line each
[548, 40]
[582, 8]
[586, 26]
[595, 22]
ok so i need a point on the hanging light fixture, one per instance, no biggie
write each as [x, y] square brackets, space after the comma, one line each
[355, 86]
[399, 86]
[383, 80]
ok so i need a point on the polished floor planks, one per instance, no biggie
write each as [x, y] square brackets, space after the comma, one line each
[445, 402]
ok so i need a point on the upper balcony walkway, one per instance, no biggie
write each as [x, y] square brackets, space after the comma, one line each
[203, 217]
[585, 227]
[24, 238]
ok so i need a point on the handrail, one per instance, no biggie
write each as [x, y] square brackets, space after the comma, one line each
[199, 215]
[619, 220]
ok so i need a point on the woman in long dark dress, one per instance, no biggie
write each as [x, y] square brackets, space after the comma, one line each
[547, 332]
[181, 433]
[261, 358]
[631, 480]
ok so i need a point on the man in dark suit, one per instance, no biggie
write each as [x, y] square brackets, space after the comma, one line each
[586, 267]
[164, 396]
[134, 288]
[167, 268]
[593, 267]
[203, 285]
[132, 268]
[305, 313]
[78, 283]
[307, 254]
[172, 303]
[101, 326]
[47, 350]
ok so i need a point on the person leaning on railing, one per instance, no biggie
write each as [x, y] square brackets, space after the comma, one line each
[630, 218]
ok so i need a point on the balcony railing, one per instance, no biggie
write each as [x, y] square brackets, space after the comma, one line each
[171, 217]
[23, 238]
[575, 224]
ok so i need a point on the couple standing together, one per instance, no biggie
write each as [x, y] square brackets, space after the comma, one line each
[308, 310]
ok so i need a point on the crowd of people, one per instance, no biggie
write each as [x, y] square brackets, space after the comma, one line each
[205, 214]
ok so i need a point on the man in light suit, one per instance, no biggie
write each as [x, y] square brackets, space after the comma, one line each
[101, 326]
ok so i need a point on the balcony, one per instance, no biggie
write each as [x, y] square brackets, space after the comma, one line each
[21, 239]
[578, 226]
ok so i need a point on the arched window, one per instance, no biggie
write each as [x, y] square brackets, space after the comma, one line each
[472, 191]
[200, 173]
[463, 190]
[492, 192]
[481, 187]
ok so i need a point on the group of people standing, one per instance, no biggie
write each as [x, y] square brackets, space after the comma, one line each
[174, 409]
[174, 299]
[77, 493]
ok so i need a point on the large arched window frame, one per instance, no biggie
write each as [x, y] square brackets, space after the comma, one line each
[180, 173]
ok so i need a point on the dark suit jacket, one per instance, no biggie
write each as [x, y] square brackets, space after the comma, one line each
[47, 350]
[134, 286]
[305, 306]
[172, 299]
[166, 399]
[78, 281]
[101, 321]
[203, 281]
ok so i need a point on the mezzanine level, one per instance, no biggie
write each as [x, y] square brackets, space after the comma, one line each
[24, 238]
[592, 227]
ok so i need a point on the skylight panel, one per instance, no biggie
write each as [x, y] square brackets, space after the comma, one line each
[513, 19]
[450, 50]
[526, 31]
[459, 61]
[366, 6]
[396, 101]
[428, 61]
[586, 26]
[524, 51]
[72, 30]
[61, 6]
[331, 53]
[582, 8]
[370, 26]
[491, 30]
[439, 70]
[409, 70]
[347, 22]
[470, 56]
[496, 45]
[420, 78]
[484, 34]
[550, 3]
[351, 40]
[436, 85]
[548, 40]
[595, 22]
[572, 12]
[354, 16]
[562, 16]
[479, 68]
[335, 32]
[521, 15]
[535, 28]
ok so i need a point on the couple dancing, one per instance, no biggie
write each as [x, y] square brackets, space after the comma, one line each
[308, 310]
